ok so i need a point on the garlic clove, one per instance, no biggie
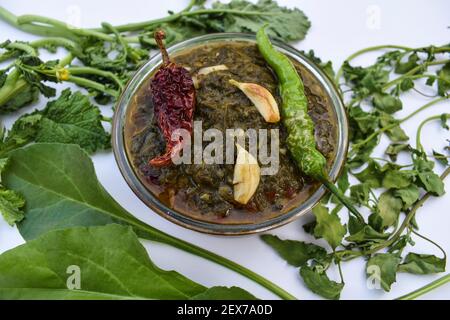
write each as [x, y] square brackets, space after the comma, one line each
[261, 98]
[205, 71]
[246, 176]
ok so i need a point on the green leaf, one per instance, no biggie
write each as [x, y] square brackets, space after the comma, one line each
[359, 193]
[431, 182]
[383, 267]
[398, 179]
[73, 119]
[409, 195]
[111, 262]
[319, 283]
[440, 158]
[422, 264]
[11, 205]
[69, 119]
[328, 226]
[296, 253]
[367, 233]
[395, 133]
[389, 207]
[285, 24]
[61, 189]
[395, 148]
[444, 82]
[444, 118]
[371, 175]
[23, 95]
[387, 103]
[404, 67]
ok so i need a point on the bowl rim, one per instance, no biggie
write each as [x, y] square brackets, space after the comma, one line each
[151, 201]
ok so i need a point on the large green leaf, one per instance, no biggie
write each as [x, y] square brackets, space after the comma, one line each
[109, 261]
[59, 184]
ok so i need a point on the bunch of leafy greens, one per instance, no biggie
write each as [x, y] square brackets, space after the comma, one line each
[61, 190]
[110, 54]
[382, 238]
[112, 262]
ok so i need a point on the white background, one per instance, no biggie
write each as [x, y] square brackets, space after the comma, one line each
[338, 29]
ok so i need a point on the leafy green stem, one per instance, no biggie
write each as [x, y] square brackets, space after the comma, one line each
[98, 72]
[360, 144]
[427, 288]
[150, 23]
[342, 198]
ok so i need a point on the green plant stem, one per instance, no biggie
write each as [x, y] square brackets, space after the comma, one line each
[425, 289]
[83, 82]
[39, 30]
[406, 222]
[419, 131]
[411, 72]
[136, 26]
[380, 47]
[342, 198]
[358, 145]
[97, 72]
[30, 19]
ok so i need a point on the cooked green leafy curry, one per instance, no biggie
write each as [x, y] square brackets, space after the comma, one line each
[205, 191]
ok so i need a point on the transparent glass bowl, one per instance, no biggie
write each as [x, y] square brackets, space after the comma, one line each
[152, 201]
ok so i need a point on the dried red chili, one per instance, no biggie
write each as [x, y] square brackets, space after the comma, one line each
[173, 96]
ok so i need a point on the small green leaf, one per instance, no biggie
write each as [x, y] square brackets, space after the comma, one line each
[409, 195]
[404, 67]
[11, 205]
[387, 103]
[371, 175]
[389, 208]
[383, 267]
[395, 148]
[367, 233]
[444, 118]
[440, 158]
[319, 283]
[431, 182]
[444, 82]
[359, 193]
[328, 226]
[422, 264]
[296, 253]
[398, 179]
[395, 133]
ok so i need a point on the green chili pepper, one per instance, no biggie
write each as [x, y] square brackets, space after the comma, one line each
[299, 125]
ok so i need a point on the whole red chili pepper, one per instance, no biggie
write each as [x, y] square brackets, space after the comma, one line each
[173, 96]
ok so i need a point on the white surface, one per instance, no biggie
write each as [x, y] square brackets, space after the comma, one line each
[338, 29]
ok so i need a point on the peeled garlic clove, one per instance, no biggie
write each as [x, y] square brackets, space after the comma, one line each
[246, 175]
[206, 70]
[261, 98]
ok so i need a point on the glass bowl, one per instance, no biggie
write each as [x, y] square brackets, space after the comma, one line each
[152, 201]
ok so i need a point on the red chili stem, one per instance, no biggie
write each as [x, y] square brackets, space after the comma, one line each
[159, 37]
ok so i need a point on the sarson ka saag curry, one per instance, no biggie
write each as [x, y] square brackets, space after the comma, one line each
[231, 87]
